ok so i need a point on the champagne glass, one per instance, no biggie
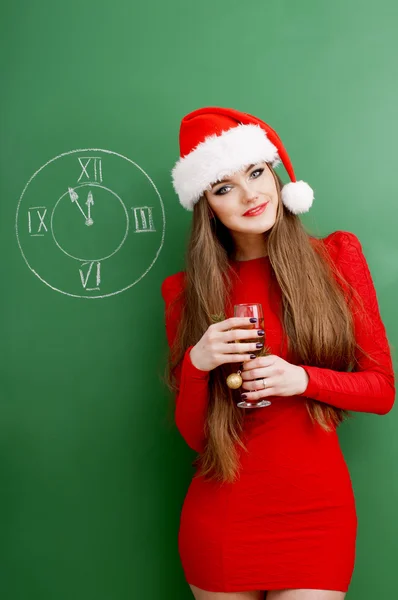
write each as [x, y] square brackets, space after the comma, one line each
[251, 310]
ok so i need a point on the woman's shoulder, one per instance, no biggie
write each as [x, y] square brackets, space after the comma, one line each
[172, 285]
[342, 238]
[345, 251]
[342, 245]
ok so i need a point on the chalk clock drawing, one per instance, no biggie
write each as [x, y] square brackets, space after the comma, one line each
[87, 223]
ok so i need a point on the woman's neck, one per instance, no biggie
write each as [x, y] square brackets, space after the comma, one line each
[251, 251]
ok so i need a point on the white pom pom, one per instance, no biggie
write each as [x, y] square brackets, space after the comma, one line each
[297, 197]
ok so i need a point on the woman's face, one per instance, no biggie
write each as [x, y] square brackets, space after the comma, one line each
[244, 190]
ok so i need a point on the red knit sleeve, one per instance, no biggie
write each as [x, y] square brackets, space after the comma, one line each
[192, 394]
[371, 388]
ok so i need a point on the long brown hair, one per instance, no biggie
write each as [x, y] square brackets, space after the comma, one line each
[322, 336]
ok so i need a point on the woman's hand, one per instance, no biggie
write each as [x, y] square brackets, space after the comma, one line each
[219, 344]
[281, 378]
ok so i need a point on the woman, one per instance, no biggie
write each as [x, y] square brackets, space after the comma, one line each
[271, 508]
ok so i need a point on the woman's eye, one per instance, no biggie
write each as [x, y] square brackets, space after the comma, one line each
[218, 192]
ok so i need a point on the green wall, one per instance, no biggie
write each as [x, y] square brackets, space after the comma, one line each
[92, 475]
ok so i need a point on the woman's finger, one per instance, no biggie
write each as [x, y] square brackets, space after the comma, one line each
[259, 372]
[243, 334]
[257, 385]
[243, 348]
[252, 396]
[234, 358]
[233, 323]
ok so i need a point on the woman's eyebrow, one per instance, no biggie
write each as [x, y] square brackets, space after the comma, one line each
[226, 178]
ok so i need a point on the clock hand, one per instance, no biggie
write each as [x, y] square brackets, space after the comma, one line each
[74, 197]
[89, 202]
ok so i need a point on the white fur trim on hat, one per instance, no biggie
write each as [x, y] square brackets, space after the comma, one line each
[297, 196]
[220, 156]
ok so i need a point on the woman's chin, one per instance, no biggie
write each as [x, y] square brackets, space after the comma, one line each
[256, 225]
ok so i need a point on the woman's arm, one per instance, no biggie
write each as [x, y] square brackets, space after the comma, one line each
[192, 394]
[371, 388]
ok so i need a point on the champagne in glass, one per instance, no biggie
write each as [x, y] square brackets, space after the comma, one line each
[252, 310]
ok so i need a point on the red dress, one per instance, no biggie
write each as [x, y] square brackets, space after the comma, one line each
[290, 519]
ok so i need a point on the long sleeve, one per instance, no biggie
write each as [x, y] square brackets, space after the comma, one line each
[371, 388]
[192, 394]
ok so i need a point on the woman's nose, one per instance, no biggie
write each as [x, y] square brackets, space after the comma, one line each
[249, 194]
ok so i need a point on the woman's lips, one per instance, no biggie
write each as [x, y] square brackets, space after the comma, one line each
[257, 211]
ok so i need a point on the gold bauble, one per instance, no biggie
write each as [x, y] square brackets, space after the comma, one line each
[234, 381]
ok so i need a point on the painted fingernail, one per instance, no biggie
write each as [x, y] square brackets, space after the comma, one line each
[260, 332]
[259, 345]
[253, 355]
[243, 396]
[253, 319]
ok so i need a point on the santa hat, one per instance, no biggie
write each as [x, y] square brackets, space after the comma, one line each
[217, 142]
